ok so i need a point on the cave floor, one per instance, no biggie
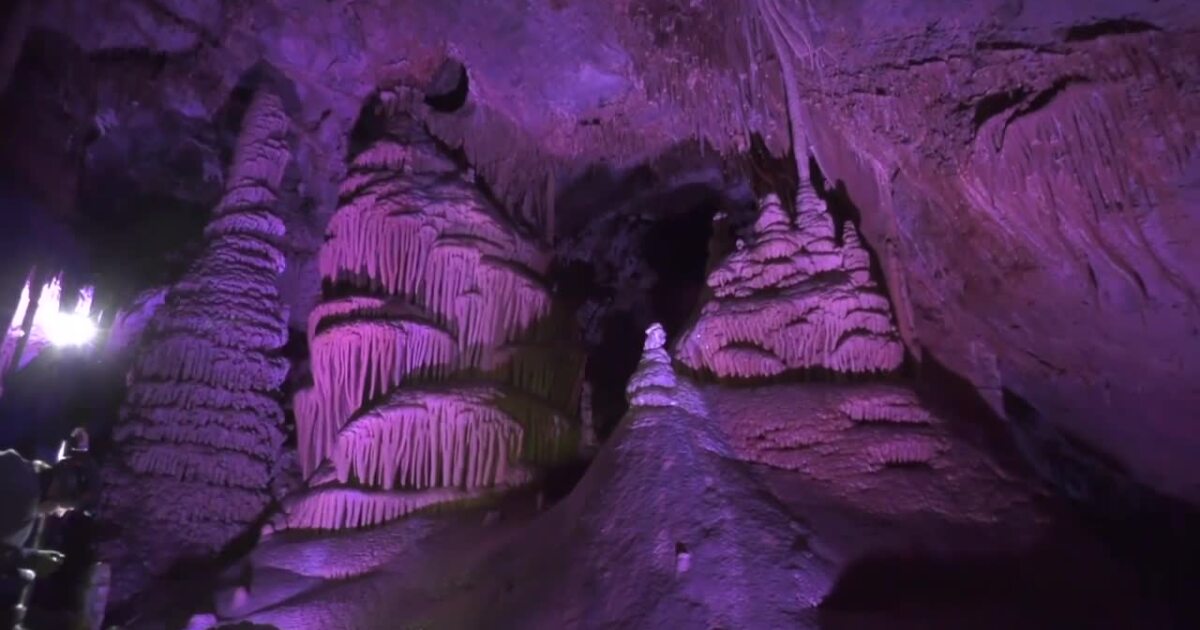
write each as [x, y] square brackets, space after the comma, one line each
[898, 573]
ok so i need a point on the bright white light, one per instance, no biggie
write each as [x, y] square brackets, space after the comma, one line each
[22, 306]
[50, 325]
[69, 329]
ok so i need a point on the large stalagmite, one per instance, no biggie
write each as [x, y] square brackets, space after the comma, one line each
[434, 374]
[793, 298]
[200, 431]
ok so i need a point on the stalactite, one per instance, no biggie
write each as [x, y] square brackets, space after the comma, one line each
[784, 35]
[435, 382]
[200, 430]
[357, 360]
[424, 438]
[337, 507]
[793, 299]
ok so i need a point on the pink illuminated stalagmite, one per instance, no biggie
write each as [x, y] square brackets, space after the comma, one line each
[792, 298]
[654, 382]
[200, 431]
[435, 381]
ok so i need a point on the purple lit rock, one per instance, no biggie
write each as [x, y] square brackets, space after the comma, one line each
[1026, 174]
[793, 298]
[665, 529]
[1030, 185]
[445, 289]
[201, 429]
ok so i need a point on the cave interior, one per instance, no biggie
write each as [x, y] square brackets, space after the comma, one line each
[638, 314]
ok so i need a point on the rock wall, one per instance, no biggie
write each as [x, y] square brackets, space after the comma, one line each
[1029, 179]
[713, 506]
[665, 529]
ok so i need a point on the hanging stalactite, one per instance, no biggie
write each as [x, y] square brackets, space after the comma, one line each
[433, 382]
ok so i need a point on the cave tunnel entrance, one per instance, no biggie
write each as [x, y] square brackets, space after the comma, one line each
[649, 267]
[448, 89]
[637, 269]
[676, 249]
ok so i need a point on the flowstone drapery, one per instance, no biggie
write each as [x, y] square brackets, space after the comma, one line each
[436, 377]
[792, 298]
[200, 431]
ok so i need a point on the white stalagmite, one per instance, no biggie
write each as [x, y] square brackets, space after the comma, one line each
[425, 438]
[432, 383]
[201, 428]
[793, 299]
[654, 382]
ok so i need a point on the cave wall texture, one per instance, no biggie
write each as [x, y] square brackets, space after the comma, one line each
[1027, 175]
[1030, 183]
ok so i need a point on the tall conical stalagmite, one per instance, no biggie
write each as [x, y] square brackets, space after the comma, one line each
[201, 429]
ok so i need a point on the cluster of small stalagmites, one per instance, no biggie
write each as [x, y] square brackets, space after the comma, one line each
[201, 428]
[426, 386]
[793, 298]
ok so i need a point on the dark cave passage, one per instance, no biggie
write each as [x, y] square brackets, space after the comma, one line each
[608, 371]
[676, 249]
[653, 270]
[448, 90]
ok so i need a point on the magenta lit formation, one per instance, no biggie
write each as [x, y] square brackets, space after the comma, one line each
[434, 380]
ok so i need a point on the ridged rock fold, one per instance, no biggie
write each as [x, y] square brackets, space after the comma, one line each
[435, 376]
[200, 431]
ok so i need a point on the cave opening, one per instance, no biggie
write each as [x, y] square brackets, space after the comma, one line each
[449, 88]
[676, 249]
[661, 261]
[672, 252]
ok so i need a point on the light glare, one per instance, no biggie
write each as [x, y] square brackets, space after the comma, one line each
[69, 329]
